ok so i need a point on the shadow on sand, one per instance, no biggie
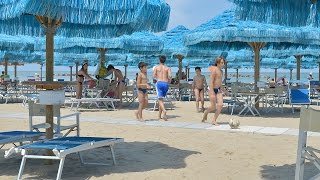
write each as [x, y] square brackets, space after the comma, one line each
[286, 172]
[130, 156]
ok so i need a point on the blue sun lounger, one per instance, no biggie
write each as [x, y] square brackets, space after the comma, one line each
[11, 137]
[64, 146]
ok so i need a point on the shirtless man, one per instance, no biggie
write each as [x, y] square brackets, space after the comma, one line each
[199, 84]
[162, 74]
[215, 91]
[143, 86]
[119, 80]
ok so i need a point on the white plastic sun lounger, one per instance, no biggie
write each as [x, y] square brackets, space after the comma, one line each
[96, 101]
[62, 147]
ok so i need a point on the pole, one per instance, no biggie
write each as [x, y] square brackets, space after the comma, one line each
[6, 59]
[256, 46]
[237, 74]
[41, 66]
[225, 72]
[70, 73]
[298, 58]
[291, 74]
[275, 74]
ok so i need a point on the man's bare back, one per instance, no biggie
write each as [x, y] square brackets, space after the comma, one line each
[162, 73]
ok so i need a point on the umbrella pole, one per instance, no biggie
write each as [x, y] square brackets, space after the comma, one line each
[275, 73]
[70, 73]
[256, 46]
[298, 58]
[291, 74]
[188, 73]
[41, 66]
[15, 69]
[6, 59]
[50, 25]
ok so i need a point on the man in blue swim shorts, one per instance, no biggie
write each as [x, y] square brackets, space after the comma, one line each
[163, 75]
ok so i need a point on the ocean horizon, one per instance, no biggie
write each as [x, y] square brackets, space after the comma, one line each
[29, 71]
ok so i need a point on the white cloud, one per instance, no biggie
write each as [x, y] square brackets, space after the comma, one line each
[191, 13]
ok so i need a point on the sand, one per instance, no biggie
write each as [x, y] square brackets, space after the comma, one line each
[169, 153]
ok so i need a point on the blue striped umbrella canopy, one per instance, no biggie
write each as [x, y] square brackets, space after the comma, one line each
[16, 43]
[103, 18]
[225, 30]
[285, 12]
[173, 41]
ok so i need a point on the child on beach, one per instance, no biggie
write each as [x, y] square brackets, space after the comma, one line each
[142, 85]
[199, 84]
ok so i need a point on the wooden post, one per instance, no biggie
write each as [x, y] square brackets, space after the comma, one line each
[15, 69]
[256, 46]
[6, 59]
[50, 26]
[298, 58]
[70, 73]
[125, 70]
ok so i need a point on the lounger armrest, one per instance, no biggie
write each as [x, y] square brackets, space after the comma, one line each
[69, 115]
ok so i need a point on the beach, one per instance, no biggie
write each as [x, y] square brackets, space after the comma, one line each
[152, 151]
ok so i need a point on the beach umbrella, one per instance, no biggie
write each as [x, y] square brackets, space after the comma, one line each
[294, 13]
[225, 28]
[106, 18]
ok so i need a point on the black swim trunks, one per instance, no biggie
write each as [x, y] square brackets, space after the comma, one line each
[216, 90]
[144, 91]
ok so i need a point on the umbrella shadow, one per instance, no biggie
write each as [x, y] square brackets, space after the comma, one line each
[130, 157]
[286, 171]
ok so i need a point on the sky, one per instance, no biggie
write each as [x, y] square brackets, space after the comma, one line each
[191, 13]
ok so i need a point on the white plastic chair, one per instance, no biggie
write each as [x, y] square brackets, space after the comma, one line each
[309, 121]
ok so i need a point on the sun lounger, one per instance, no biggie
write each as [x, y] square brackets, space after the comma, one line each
[309, 122]
[105, 101]
[12, 137]
[62, 147]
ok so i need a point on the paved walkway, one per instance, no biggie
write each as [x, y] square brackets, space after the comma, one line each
[184, 125]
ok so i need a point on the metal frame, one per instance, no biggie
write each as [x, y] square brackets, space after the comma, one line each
[61, 154]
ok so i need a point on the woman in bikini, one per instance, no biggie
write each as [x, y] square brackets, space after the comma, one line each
[82, 73]
[199, 84]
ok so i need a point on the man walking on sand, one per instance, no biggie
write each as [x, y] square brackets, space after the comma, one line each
[162, 74]
[215, 91]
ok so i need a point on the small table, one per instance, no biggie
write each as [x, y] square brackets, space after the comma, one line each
[250, 99]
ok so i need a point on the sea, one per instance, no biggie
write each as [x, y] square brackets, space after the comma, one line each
[30, 71]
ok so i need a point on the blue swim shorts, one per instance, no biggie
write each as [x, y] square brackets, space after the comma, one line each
[162, 89]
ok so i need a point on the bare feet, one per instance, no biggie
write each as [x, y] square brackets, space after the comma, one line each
[137, 115]
[205, 117]
[202, 109]
[165, 116]
[215, 123]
